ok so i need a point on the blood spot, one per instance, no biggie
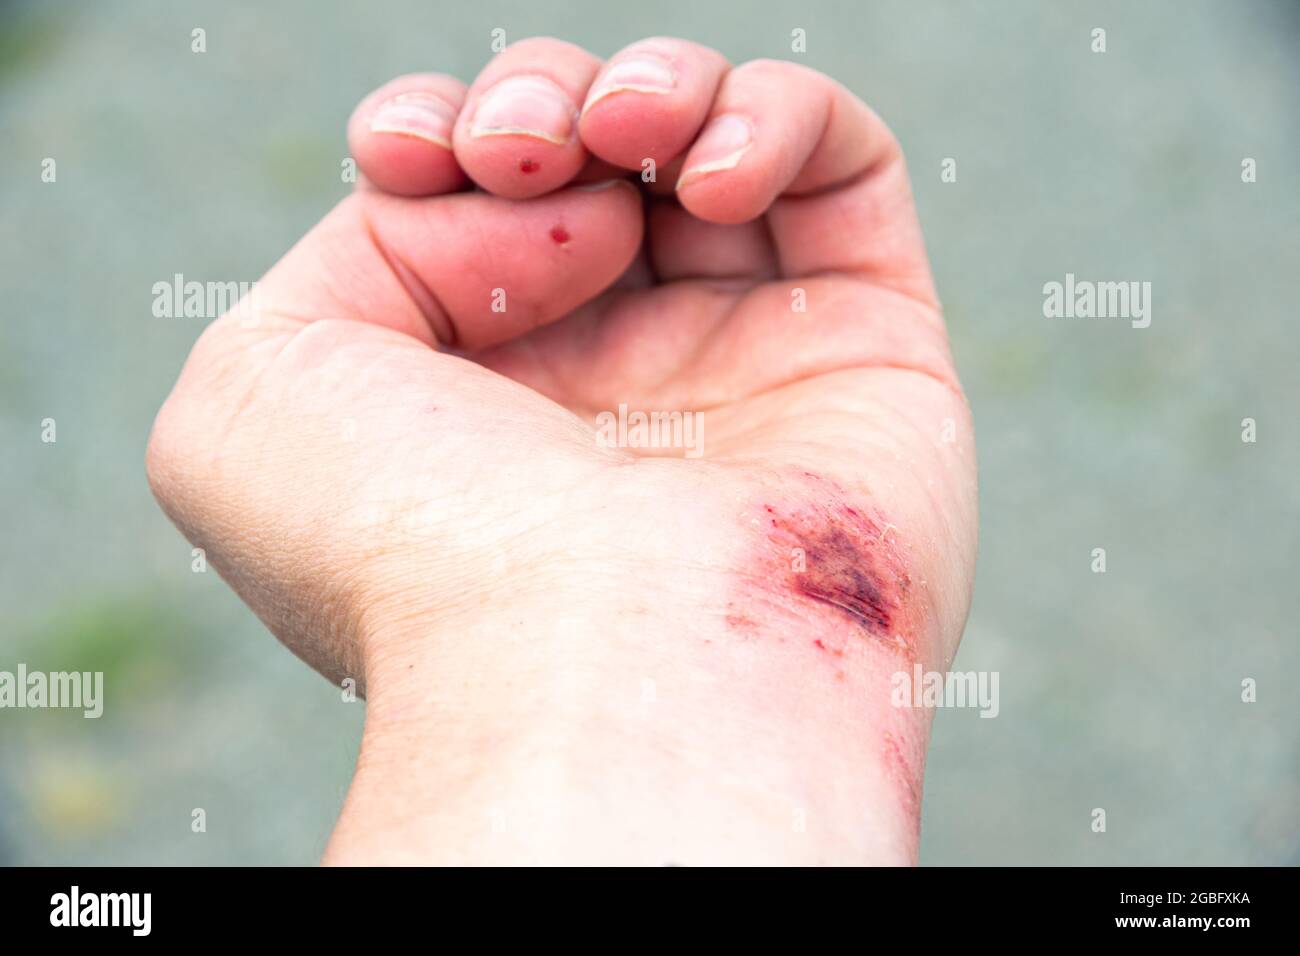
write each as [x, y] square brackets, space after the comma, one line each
[529, 166]
[559, 234]
[900, 768]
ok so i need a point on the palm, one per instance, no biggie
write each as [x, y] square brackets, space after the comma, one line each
[728, 345]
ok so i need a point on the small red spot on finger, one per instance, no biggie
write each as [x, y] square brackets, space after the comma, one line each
[559, 234]
[529, 165]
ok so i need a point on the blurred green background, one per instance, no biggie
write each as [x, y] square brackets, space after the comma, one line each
[1119, 690]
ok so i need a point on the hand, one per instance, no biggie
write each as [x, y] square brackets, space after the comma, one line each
[600, 653]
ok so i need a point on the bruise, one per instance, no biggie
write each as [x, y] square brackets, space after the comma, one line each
[824, 552]
[839, 573]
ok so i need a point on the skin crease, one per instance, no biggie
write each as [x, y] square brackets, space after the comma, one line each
[575, 653]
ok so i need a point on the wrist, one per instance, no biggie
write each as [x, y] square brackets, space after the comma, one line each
[691, 705]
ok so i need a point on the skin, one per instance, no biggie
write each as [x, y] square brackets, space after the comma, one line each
[575, 653]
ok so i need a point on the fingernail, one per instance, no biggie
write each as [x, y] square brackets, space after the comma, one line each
[639, 74]
[421, 115]
[525, 106]
[726, 139]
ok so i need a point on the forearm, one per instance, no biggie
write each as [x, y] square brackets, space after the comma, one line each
[669, 747]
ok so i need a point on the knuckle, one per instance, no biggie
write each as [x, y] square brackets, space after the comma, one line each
[767, 66]
[543, 47]
[672, 47]
[772, 71]
[431, 79]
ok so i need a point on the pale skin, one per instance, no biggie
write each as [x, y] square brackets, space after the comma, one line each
[571, 652]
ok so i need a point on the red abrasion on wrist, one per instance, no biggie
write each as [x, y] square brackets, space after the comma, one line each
[835, 562]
